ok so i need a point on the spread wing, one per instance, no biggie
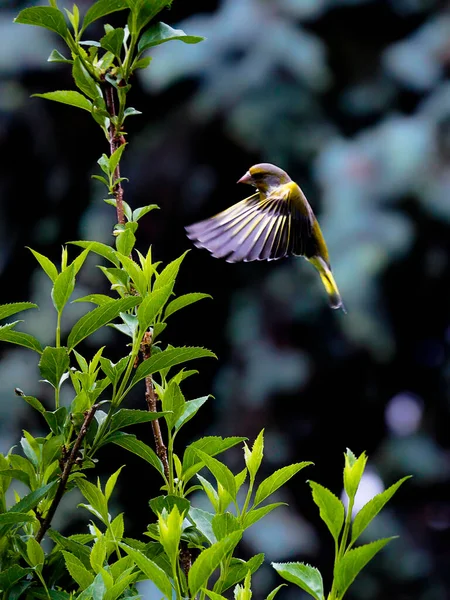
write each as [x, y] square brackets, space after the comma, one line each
[259, 228]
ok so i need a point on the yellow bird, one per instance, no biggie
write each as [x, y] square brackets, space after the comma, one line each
[274, 222]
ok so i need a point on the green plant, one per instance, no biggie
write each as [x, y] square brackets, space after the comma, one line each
[190, 552]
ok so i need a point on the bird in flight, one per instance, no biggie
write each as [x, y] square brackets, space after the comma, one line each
[274, 222]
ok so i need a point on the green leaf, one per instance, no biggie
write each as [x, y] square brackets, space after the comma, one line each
[100, 316]
[203, 522]
[116, 156]
[254, 457]
[142, 63]
[114, 370]
[160, 33]
[277, 479]
[353, 472]
[224, 524]
[125, 241]
[56, 419]
[173, 403]
[220, 471]
[69, 97]
[101, 8]
[208, 561]
[72, 546]
[11, 576]
[31, 500]
[6, 310]
[183, 301]
[131, 443]
[20, 339]
[150, 570]
[147, 10]
[98, 299]
[258, 513]
[238, 569]
[372, 508]
[169, 273]
[331, 508]
[79, 573]
[167, 503]
[113, 41]
[100, 249]
[53, 365]
[63, 288]
[57, 57]
[97, 589]
[127, 416]
[135, 273]
[95, 498]
[169, 358]
[212, 445]
[35, 553]
[47, 266]
[189, 410]
[14, 518]
[44, 16]
[143, 210]
[16, 474]
[152, 305]
[353, 561]
[98, 554]
[111, 483]
[306, 577]
[274, 592]
[84, 81]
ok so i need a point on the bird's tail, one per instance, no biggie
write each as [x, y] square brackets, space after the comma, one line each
[334, 297]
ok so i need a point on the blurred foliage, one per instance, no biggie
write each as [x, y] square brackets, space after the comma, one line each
[352, 98]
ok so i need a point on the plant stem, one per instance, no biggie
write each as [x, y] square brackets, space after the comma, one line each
[115, 140]
[150, 396]
[89, 415]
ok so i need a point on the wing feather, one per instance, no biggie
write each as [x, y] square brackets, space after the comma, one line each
[257, 228]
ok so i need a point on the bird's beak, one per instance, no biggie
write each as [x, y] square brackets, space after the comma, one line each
[247, 178]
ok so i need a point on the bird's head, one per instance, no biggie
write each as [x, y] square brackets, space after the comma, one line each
[265, 177]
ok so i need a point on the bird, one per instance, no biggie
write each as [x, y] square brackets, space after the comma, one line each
[274, 222]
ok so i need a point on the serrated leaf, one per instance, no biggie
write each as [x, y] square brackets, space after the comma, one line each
[35, 553]
[84, 80]
[47, 266]
[98, 554]
[208, 561]
[143, 210]
[183, 301]
[54, 364]
[353, 561]
[160, 33]
[220, 471]
[69, 97]
[127, 416]
[169, 273]
[6, 310]
[254, 457]
[135, 273]
[169, 358]
[258, 513]
[277, 479]
[11, 576]
[111, 483]
[44, 16]
[16, 474]
[63, 288]
[125, 241]
[98, 299]
[190, 410]
[57, 57]
[100, 316]
[173, 403]
[102, 8]
[353, 471]
[131, 443]
[212, 445]
[20, 339]
[150, 570]
[73, 545]
[152, 305]
[372, 508]
[113, 41]
[224, 524]
[306, 577]
[79, 573]
[14, 518]
[31, 500]
[330, 507]
[275, 591]
[203, 522]
[95, 498]
[238, 569]
[100, 249]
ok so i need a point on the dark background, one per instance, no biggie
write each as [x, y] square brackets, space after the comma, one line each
[352, 98]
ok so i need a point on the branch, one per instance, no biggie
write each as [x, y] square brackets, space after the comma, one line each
[116, 139]
[70, 461]
[150, 396]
